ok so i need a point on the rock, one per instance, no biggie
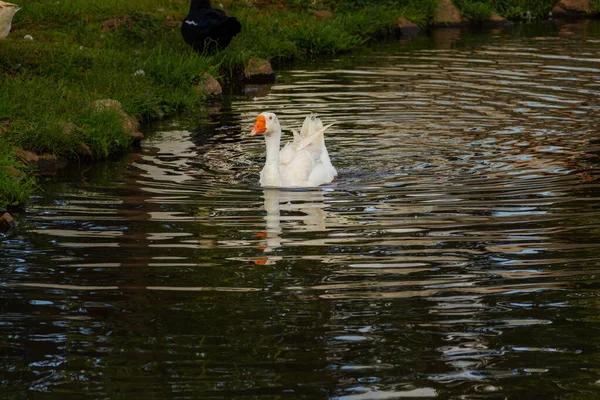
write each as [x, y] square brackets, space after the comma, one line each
[323, 14]
[84, 151]
[108, 104]
[571, 7]
[497, 20]
[7, 223]
[447, 14]
[137, 138]
[406, 28]
[174, 24]
[46, 163]
[12, 171]
[3, 126]
[130, 124]
[26, 156]
[114, 22]
[258, 70]
[50, 163]
[209, 86]
[68, 128]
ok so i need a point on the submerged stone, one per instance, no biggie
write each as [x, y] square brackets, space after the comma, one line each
[45, 163]
[84, 151]
[49, 163]
[7, 222]
[499, 21]
[137, 137]
[406, 28]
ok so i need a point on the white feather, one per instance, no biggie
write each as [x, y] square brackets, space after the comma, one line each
[303, 162]
[7, 12]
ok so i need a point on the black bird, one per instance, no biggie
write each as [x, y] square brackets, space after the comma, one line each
[208, 30]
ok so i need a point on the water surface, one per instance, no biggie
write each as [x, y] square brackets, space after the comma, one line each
[457, 254]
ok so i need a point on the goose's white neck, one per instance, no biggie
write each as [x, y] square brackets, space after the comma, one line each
[270, 175]
[6, 16]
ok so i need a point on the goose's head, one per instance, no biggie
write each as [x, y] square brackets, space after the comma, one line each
[266, 124]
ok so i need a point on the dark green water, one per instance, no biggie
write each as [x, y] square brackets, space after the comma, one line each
[457, 256]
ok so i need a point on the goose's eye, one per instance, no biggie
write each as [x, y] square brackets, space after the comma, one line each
[270, 118]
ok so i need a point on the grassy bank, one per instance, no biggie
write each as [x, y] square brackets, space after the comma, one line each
[48, 84]
[512, 9]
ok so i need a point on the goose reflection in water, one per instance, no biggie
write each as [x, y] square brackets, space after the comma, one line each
[289, 211]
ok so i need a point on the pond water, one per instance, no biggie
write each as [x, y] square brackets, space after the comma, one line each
[457, 255]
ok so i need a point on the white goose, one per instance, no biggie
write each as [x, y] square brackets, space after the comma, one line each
[7, 12]
[303, 162]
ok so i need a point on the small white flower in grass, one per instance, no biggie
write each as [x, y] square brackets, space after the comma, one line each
[28, 37]
[139, 72]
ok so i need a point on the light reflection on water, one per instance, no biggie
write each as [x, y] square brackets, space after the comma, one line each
[457, 254]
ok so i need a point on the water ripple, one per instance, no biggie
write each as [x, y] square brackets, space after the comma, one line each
[456, 255]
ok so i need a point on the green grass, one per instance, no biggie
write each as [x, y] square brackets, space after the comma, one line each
[475, 10]
[50, 82]
[16, 179]
[480, 10]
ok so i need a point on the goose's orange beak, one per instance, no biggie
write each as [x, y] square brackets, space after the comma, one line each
[260, 127]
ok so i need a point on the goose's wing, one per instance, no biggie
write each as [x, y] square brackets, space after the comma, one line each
[323, 170]
[289, 150]
[315, 141]
[305, 161]
[311, 124]
[297, 172]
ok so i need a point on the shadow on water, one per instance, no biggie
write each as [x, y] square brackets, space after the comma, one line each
[456, 255]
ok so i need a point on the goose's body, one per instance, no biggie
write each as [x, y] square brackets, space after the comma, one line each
[7, 12]
[207, 29]
[304, 162]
